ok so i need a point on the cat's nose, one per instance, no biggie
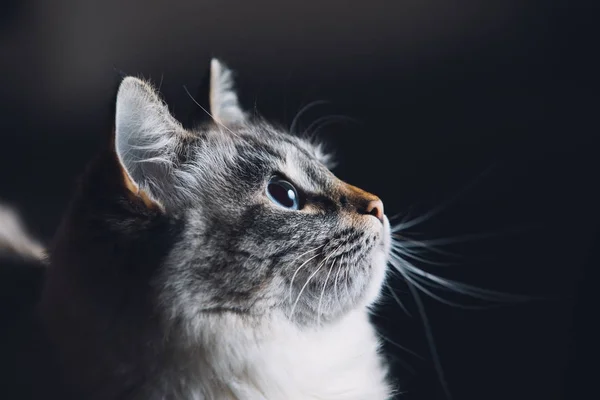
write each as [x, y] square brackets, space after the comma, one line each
[375, 208]
[361, 202]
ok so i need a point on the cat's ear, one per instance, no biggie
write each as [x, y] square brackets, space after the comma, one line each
[224, 104]
[147, 142]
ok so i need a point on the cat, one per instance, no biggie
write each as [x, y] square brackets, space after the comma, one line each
[225, 262]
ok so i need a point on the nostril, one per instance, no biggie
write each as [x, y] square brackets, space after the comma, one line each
[375, 208]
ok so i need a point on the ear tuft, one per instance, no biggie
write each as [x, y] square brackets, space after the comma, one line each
[325, 157]
[224, 104]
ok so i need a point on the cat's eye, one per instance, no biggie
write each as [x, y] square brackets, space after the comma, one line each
[283, 193]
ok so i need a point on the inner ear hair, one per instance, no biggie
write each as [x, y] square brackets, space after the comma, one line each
[135, 191]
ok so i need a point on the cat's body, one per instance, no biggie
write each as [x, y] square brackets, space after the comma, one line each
[174, 275]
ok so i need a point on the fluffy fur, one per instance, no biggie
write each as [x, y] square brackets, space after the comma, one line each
[14, 238]
[174, 275]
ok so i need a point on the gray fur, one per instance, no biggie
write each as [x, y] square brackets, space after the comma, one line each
[239, 275]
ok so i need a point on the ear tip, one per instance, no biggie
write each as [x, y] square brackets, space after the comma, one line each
[131, 82]
[216, 67]
[135, 88]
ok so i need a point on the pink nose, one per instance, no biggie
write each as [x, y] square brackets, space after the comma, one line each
[375, 208]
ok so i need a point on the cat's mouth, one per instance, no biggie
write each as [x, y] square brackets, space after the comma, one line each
[347, 272]
[367, 246]
[354, 245]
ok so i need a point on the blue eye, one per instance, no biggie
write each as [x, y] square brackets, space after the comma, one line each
[283, 193]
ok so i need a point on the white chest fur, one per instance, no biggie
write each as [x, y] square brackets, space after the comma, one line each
[278, 361]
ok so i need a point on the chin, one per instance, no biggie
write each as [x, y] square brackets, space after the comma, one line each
[379, 266]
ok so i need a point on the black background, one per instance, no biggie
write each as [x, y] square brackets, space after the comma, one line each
[487, 106]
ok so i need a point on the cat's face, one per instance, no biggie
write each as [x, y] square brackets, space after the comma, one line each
[266, 226]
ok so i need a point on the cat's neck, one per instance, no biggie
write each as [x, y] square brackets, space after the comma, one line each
[275, 359]
[228, 357]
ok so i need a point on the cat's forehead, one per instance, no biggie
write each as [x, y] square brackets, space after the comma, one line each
[297, 158]
[268, 148]
[282, 139]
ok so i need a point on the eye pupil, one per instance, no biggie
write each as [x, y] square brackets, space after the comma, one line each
[282, 193]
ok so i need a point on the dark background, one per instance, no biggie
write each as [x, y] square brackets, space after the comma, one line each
[487, 106]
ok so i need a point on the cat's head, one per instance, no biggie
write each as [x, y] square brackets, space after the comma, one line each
[267, 228]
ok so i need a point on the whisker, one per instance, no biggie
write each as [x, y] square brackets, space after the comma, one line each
[395, 216]
[162, 76]
[208, 113]
[405, 217]
[463, 288]
[442, 206]
[407, 350]
[304, 110]
[345, 277]
[335, 282]
[411, 245]
[318, 124]
[300, 267]
[323, 292]
[431, 341]
[395, 296]
[418, 284]
[418, 251]
[420, 279]
[306, 284]
[454, 239]
[415, 257]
